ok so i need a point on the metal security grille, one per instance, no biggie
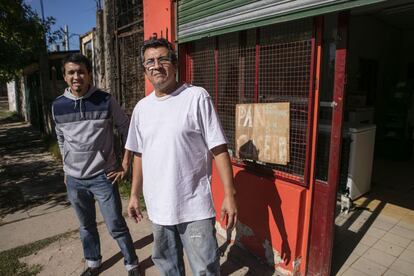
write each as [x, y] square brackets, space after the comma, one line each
[202, 61]
[285, 76]
[131, 72]
[127, 12]
[128, 37]
[270, 64]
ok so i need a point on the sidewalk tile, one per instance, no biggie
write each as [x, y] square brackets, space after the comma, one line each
[351, 259]
[389, 247]
[368, 240]
[360, 249]
[360, 221]
[379, 257]
[396, 239]
[403, 232]
[406, 225]
[408, 255]
[403, 267]
[411, 246]
[369, 267]
[353, 272]
[391, 272]
[376, 232]
[384, 223]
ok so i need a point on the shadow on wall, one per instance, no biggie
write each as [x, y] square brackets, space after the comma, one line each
[259, 210]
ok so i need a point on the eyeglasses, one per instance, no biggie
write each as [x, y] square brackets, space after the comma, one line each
[161, 61]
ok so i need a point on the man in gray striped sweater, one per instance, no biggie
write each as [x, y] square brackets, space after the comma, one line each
[84, 118]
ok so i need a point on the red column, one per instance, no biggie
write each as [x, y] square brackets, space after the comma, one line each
[159, 21]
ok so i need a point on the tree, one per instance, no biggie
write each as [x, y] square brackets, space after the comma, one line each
[21, 37]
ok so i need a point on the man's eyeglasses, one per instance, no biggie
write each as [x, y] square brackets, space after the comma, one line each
[161, 61]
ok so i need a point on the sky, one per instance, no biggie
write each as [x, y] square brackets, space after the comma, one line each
[79, 15]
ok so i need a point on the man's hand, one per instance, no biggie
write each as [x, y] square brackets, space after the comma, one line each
[229, 211]
[229, 207]
[134, 209]
[118, 174]
[64, 179]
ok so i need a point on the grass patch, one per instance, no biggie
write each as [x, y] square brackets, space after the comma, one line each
[9, 259]
[125, 191]
[124, 188]
[9, 116]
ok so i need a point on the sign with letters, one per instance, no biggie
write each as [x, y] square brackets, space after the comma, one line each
[262, 132]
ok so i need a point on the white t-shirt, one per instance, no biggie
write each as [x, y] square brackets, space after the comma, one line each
[174, 135]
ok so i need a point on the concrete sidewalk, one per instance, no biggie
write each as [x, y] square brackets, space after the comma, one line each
[64, 257]
[33, 207]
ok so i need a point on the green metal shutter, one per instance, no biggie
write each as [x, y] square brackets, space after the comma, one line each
[204, 18]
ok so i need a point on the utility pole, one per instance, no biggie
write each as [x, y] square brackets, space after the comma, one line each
[66, 31]
[45, 92]
[43, 12]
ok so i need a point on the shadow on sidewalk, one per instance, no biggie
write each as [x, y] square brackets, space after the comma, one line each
[29, 175]
[144, 264]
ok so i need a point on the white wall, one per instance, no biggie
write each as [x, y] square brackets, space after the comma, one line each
[11, 94]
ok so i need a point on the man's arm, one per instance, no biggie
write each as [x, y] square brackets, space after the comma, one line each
[229, 205]
[134, 208]
[60, 140]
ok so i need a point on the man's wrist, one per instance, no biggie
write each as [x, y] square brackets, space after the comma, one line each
[136, 195]
[230, 193]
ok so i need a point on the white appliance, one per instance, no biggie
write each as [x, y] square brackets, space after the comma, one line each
[363, 115]
[361, 155]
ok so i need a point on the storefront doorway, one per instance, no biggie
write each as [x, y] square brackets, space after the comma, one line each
[376, 235]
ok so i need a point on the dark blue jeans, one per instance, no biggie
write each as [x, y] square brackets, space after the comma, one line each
[82, 194]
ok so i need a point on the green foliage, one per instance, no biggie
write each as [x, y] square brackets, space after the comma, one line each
[124, 188]
[125, 191]
[21, 37]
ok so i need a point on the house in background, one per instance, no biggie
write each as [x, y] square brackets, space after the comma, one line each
[30, 99]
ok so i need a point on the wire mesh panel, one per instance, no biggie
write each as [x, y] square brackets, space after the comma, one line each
[271, 64]
[131, 72]
[285, 76]
[202, 58]
[229, 81]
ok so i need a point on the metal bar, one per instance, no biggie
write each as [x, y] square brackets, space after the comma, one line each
[310, 114]
[120, 29]
[132, 32]
[216, 75]
[257, 63]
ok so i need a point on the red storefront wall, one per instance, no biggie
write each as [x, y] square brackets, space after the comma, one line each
[159, 21]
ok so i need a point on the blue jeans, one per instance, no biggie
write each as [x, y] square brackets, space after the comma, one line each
[82, 194]
[200, 244]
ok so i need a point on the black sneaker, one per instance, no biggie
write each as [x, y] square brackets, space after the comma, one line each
[134, 272]
[91, 271]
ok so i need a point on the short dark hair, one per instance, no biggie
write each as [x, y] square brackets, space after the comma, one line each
[159, 42]
[76, 58]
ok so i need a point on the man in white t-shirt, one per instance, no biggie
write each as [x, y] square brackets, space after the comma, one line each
[175, 133]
